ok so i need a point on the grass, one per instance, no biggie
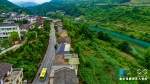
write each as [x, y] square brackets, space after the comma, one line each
[139, 50]
[100, 62]
[102, 65]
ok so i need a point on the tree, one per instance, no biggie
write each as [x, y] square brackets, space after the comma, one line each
[124, 46]
[104, 36]
[14, 36]
[25, 21]
[147, 58]
[31, 35]
[84, 29]
[5, 43]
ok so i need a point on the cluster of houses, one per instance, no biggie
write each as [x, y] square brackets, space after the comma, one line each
[57, 12]
[9, 75]
[9, 25]
[65, 64]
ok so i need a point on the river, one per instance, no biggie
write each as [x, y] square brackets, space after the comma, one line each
[141, 43]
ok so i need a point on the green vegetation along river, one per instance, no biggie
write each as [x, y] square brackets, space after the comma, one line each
[123, 37]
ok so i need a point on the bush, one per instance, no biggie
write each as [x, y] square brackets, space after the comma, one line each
[124, 46]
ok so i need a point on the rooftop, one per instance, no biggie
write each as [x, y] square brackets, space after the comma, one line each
[24, 26]
[74, 61]
[59, 60]
[59, 28]
[14, 74]
[64, 34]
[63, 49]
[8, 24]
[65, 76]
[67, 56]
[64, 40]
[59, 24]
[4, 67]
[61, 31]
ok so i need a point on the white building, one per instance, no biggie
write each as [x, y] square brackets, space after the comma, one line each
[13, 13]
[31, 19]
[7, 28]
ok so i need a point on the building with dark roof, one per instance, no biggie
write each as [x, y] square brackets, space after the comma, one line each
[5, 69]
[9, 75]
[63, 49]
[61, 31]
[64, 40]
[23, 28]
[65, 76]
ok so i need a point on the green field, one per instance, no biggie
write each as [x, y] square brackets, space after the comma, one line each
[139, 50]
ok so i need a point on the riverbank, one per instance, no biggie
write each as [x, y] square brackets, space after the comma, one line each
[140, 43]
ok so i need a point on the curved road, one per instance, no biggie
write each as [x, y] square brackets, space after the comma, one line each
[47, 61]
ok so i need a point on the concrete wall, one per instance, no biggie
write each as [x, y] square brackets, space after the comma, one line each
[18, 78]
[8, 72]
[1, 82]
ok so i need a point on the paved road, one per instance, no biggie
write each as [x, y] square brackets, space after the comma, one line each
[47, 61]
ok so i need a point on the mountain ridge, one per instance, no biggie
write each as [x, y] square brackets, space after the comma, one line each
[7, 6]
[26, 4]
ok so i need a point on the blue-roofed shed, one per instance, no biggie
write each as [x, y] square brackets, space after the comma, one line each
[61, 49]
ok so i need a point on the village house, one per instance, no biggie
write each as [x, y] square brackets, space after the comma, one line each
[31, 19]
[3, 15]
[19, 17]
[63, 34]
[9, 75]
[61, 31]
[7, 28]
[65, 76]
[66, 60]
[64, 40]
[23, 28]
[13, 14]
[8, 20]
[63, 48]
[56, 20]
[69, 61]
[59, 24]
[39, 21]
[59, 28]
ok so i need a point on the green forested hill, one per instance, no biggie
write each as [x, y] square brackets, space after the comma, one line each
[7, 6]
[128, 20]
[69, 6]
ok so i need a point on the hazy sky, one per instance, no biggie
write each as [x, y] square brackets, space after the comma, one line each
[37, 1]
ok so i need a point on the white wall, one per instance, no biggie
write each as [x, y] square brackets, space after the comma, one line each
[1, 82]
[8, 31]
[18, 30]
